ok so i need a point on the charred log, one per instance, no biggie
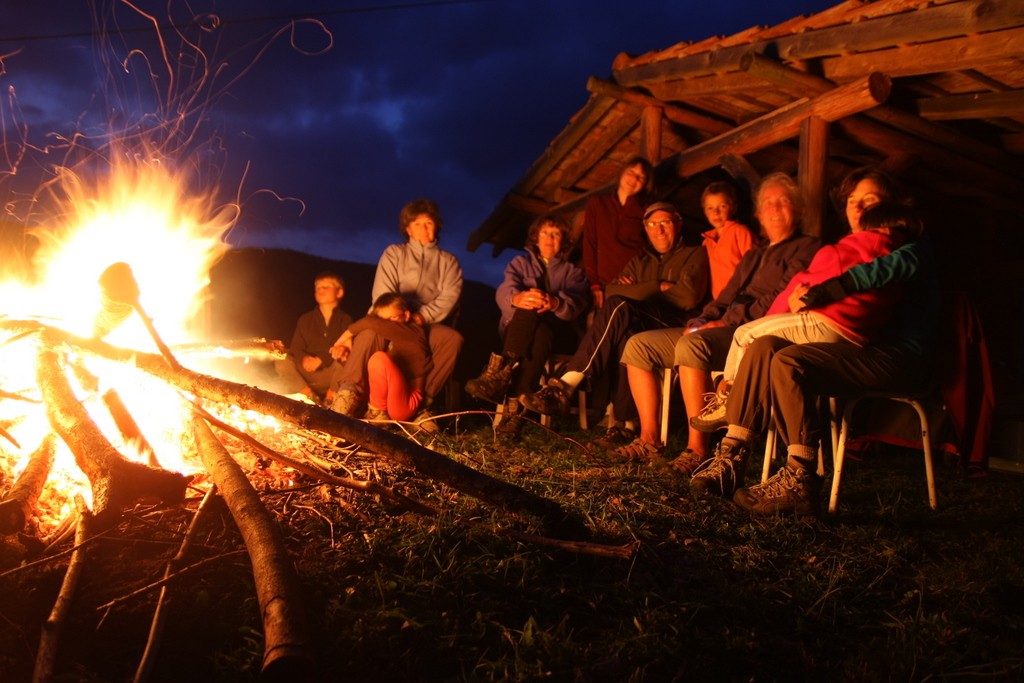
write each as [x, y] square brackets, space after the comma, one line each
[116, 481]
[17, 506]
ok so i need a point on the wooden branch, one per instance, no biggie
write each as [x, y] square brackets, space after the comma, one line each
[360, 485]
[116, 481]
[47, 653]
[256, 349]
[287, 653]
[500, 494]
[128, 427]
[156, 627]
[619, 552]
[20, 502]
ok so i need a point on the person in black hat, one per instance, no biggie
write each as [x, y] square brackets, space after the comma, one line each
[660, 287]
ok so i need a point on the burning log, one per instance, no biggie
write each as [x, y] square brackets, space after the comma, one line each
[287, 655]
[495, 492]
[17, 507]
[251, 349]
[122, 417]
[116, 481]
[500, 494]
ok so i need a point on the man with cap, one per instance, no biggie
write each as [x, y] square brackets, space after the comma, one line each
[660, 287]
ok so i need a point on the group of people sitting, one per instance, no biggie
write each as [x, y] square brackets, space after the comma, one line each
[785, 320]
[392, 363]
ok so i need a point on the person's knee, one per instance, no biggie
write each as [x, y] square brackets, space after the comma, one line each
[377, 361]
[693, 351]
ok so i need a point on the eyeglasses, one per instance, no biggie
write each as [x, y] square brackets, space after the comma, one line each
[659, 224]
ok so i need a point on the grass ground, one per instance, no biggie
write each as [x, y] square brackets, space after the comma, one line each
[886, 590]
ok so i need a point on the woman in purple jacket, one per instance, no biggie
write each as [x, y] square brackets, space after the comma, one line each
[541, 298]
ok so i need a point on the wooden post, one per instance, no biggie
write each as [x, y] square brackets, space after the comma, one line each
[650, 134]
[811, 173]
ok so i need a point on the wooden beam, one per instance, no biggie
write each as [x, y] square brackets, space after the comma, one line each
[796, 81]
[784, 123]
[707, 85]
[528, 204]
[650, 134]
[877, 138]
[676, 114]
[582, 159]
[923, 25]
[975, 106]
[914, 60]
[812, 172]
[566, 142]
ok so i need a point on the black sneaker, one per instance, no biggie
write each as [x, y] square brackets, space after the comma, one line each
[793, 491]
[550, 400]
[722, 474]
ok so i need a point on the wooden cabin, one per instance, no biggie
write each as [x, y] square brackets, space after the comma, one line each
[932, 91]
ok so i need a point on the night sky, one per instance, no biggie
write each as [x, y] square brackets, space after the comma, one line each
[326, 125]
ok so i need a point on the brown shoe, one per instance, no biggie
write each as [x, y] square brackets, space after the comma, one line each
[794, 491]
[687, 462]
[638, 451]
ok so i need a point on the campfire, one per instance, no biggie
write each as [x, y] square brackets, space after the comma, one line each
[102, 408]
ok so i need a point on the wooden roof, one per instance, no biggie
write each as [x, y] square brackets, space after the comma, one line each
[934, 91]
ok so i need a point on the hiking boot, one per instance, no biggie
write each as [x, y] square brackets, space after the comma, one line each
[638, 450]
[687, 462]
[376, 414]
[794, 491]
[492, 384]
[511, 423]
[347, 402]
[510, 427]
[550, 400]
[617, 435]
[722, 474]
[712, 417]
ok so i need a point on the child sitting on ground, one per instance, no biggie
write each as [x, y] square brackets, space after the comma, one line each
[396, 376]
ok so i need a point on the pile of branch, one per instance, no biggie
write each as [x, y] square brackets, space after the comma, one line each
[117, 483]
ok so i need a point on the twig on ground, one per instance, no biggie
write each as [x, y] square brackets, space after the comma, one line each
[156, 627]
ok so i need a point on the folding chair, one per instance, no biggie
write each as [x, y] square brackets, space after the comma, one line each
[913, 400]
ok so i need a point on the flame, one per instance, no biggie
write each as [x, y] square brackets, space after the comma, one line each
[141, 214]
